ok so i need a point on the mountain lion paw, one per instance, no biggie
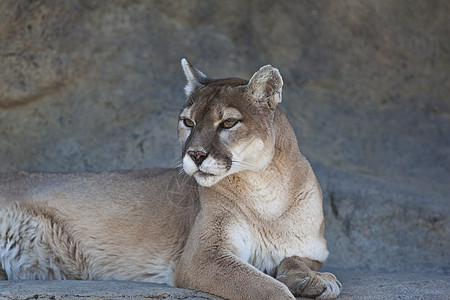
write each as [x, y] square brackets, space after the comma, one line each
[319, 286]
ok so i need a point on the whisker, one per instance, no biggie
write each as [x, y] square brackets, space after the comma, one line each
[244, 163]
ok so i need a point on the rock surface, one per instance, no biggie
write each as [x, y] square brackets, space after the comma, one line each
[112, 290]
[356, 286]
[96, 85]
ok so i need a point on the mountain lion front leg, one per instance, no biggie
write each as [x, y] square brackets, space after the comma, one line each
[208, 263]
[226, 276]
[301, 277]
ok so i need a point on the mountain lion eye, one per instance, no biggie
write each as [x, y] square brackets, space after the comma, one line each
[188, 123]
[229, 123]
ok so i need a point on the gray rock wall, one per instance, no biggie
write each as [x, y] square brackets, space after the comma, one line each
[97, 85]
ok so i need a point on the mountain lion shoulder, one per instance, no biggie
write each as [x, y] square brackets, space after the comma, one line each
[243, 220]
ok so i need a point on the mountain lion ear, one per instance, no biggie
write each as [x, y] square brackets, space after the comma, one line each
[194, 77]
[265, 85]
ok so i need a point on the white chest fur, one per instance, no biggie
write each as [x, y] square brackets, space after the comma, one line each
[262, 253]
[264, 249]
[276, 228]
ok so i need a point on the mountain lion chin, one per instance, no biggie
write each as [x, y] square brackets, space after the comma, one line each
[207, 179]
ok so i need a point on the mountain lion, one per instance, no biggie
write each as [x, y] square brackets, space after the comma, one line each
[243, 218]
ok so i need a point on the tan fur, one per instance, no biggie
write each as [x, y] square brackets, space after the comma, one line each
[244, 221]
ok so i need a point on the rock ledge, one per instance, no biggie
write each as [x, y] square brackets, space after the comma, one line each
[356, 286]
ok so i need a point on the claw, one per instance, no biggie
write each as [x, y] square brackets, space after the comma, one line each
[330, 291]
[302, 283]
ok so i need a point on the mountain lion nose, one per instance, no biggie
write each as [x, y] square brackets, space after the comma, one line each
[197, 156]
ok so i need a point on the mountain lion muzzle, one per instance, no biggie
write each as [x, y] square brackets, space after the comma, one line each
[243, 218]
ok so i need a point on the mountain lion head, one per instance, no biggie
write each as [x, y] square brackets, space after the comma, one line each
[226, 125]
